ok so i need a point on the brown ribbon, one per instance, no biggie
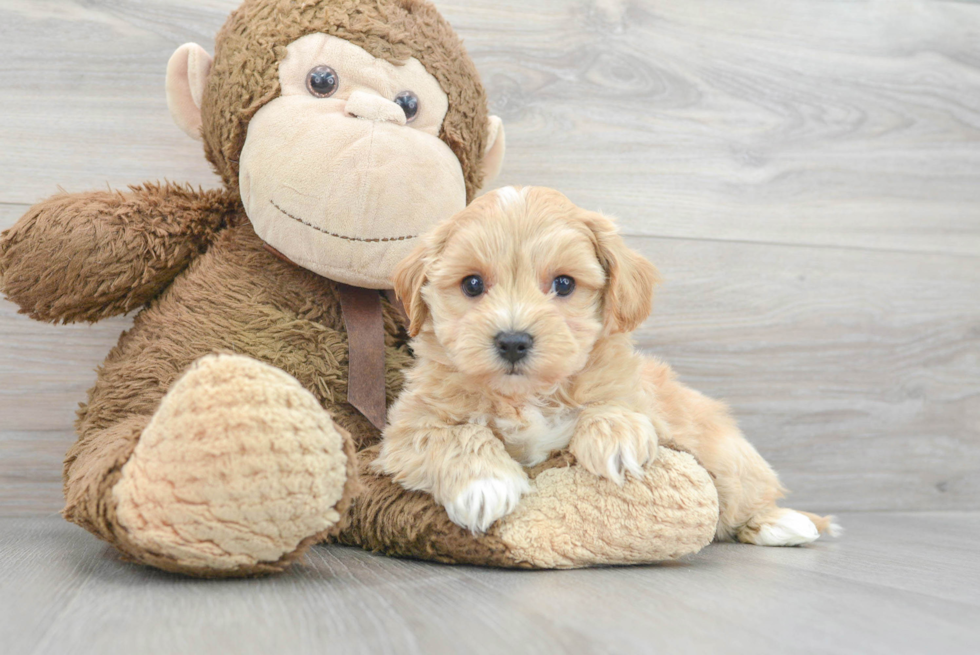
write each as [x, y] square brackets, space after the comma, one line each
[365, 352]
[364, 323]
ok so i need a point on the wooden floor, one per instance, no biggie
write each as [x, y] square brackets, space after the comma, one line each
[897, 583]
[805, 173]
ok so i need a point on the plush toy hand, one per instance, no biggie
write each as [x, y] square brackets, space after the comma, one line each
[610, 440]
[87, 256]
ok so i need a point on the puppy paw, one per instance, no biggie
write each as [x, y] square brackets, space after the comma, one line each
[781, 527]
[485, 500]
[610, 441]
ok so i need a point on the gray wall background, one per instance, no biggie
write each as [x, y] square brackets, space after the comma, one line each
[805, 173]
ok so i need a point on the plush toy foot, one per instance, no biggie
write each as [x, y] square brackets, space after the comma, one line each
[239, 471]
[570, 518]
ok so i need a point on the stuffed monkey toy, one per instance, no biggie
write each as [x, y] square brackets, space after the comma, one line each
[232, 426]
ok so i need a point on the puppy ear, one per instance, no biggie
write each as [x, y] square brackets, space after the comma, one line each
[410, 275]
[408, 280]
[628, 297]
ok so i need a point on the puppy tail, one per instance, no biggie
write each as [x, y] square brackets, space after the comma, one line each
[827, 525]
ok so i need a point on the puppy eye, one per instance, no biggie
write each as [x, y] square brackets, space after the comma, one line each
[409, 102]
[472, 286]
[322, 81]
[563, 285]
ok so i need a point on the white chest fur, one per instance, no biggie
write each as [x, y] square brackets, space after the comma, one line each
[534, 432]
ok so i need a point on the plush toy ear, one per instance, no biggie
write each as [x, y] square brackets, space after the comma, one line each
[630, 278]
[493, 156]
[187, 73]
[408, 280]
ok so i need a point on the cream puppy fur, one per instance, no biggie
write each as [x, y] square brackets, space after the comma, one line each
[521, 310]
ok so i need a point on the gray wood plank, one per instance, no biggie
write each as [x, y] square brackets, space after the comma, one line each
[875, 591]
[789, 122]
[30, 471]
[837, 123]
[46, 369]
[86, 107]
[10, 212]
[855, 373]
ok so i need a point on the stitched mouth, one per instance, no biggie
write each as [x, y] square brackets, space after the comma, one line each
[341, 236]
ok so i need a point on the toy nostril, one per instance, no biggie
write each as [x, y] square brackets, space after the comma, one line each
[513, 346]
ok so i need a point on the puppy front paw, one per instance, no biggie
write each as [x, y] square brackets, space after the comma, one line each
[485, 500]
[609, 441]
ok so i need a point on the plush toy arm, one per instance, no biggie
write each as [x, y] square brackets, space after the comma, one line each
[87, 256]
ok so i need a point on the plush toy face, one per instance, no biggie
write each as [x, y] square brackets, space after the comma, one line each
[336, 166]
[347, 128]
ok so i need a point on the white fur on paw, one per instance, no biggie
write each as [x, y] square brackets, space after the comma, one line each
[623, 461]
[624, 458]
[791, 529]
[485, 500]
[835, 529]
[611, 442]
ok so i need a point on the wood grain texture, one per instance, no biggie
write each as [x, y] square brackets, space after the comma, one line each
[806, 175]
[855, 373]
[838, 123]
[892, 586]
[832, 123]
[30, 473]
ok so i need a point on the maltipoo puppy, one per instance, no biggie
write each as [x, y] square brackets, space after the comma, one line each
[521, 310]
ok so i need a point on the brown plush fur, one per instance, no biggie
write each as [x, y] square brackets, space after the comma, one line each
[125, 248]
[235, 298]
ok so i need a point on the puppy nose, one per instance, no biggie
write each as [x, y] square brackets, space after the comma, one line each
[513, 346]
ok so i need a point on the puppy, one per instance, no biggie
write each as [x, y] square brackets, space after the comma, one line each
[521, 309]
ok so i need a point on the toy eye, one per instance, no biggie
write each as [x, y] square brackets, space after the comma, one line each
[472, 286]
[409, 102]
[322, 81]
[563, 285]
